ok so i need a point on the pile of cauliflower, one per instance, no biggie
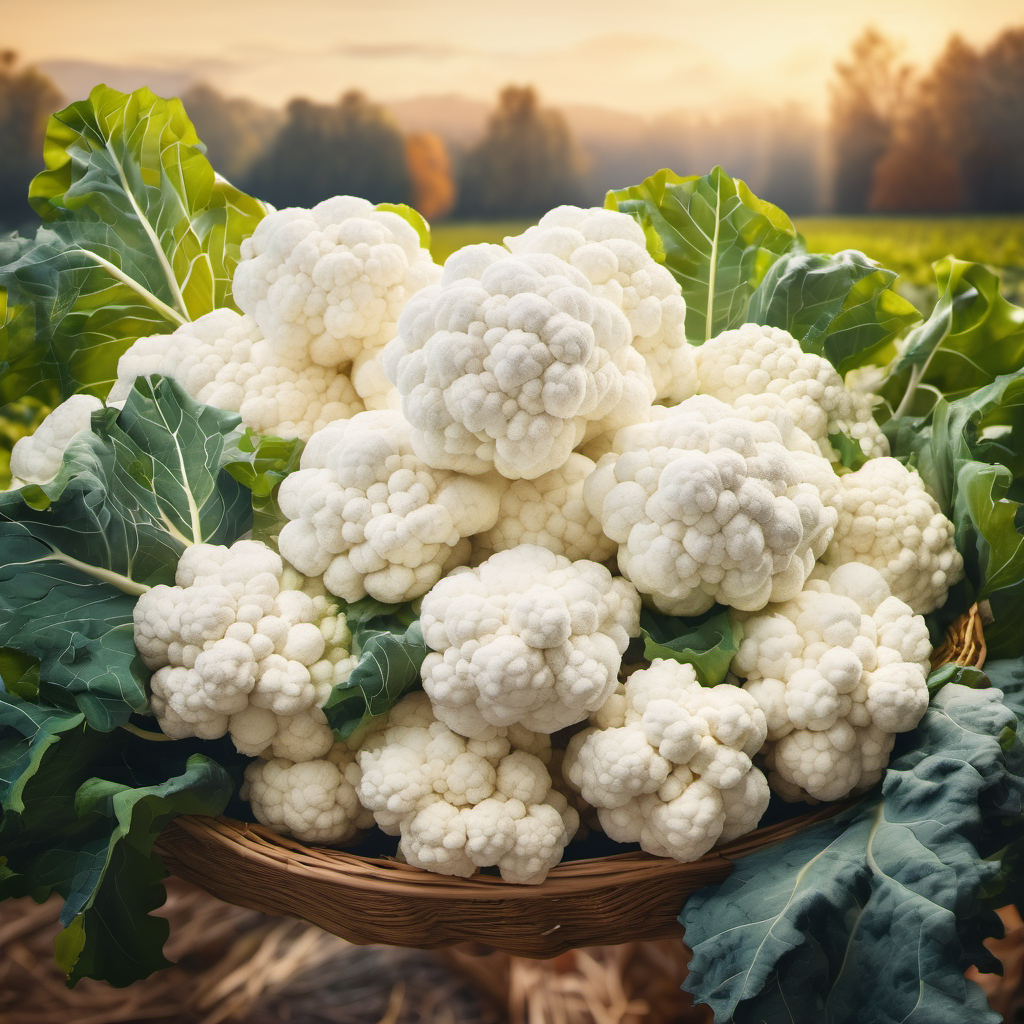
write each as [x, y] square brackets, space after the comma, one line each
[524, 443]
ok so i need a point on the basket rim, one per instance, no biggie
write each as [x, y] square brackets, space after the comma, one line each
[257, 842]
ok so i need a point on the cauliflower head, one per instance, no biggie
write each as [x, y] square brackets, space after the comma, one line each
[370, 517]
[329, 283]
[315, 800]
[838, 671]
[669, 763]
[511, 362]
[611, 251]
[461, 804]
[889, 521]
[37, 459]
[753, 361]
[708, 505]
[549, 512]
[223, 359]
[234, 651]
[528, 637]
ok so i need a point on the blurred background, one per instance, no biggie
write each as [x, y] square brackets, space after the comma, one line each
[897, 129]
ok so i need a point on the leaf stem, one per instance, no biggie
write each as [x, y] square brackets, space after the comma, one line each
[147, 296]
[152, 737]
[115, 579]
[713, 263]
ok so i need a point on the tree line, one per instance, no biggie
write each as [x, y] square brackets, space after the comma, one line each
[897, 140]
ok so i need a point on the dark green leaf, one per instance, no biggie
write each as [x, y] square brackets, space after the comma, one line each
[113, 882]
[715, 236]
[19, 673]
[842, 306]
[128, 498]
[708, 642]
[141, 236]
[973, 336]
[388, 668]
[851, 455]
[875, 914]
[260, 464]
[965, 675]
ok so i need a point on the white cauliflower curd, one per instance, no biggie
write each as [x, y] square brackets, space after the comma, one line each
[511, 362]
[550, 512]
[37, 459]
[609, 248]
[462, 804]
[223, 359]
[753, 361]
[889, 521]
[315, 801]
[235, 649]
[668, 762]
[527, 638]
[838, 671]
[370, 517]
[707, 505]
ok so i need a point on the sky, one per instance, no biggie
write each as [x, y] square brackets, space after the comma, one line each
[637, 56]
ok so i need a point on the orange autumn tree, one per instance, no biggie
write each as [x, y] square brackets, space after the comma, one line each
[430, 175]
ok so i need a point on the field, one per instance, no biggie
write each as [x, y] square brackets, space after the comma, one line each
[908, 245]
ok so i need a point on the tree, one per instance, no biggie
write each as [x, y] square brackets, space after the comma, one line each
[525, 164]
[236, 132]
[430, 175]
[27, 98]
[865, 100]
[351, 148]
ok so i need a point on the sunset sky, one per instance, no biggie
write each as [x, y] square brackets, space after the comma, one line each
[640, 56]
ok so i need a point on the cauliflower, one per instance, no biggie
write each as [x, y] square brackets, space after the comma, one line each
[550, 512]
[889, 521]
[611, 251]
[528, 637]
[707, 505]
[37, 459]
[223, 360]
[511, 362]
[753, 360]
[668, 762]
[328, 284]
[838, 671]
[311, 800]
[461, 804]
[369, 517]
[234, 651]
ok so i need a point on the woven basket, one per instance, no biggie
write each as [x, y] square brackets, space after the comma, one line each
[601, 901]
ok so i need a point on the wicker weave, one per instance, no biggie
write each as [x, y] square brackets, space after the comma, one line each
[602, 901]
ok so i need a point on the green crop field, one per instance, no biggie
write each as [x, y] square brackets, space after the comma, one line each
[908, 245]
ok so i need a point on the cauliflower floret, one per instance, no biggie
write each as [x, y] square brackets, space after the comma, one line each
[838, 671]
[528, 637]
[369, 517]
[329, 283]
[461, 804]
[223, 360]
[550, 512]
[36, 459]
[707, 505]
[753, 360]
[511, 362]
[313, 800]
[611, 251]
[889, 521]
[670, 765]
[235, 652]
